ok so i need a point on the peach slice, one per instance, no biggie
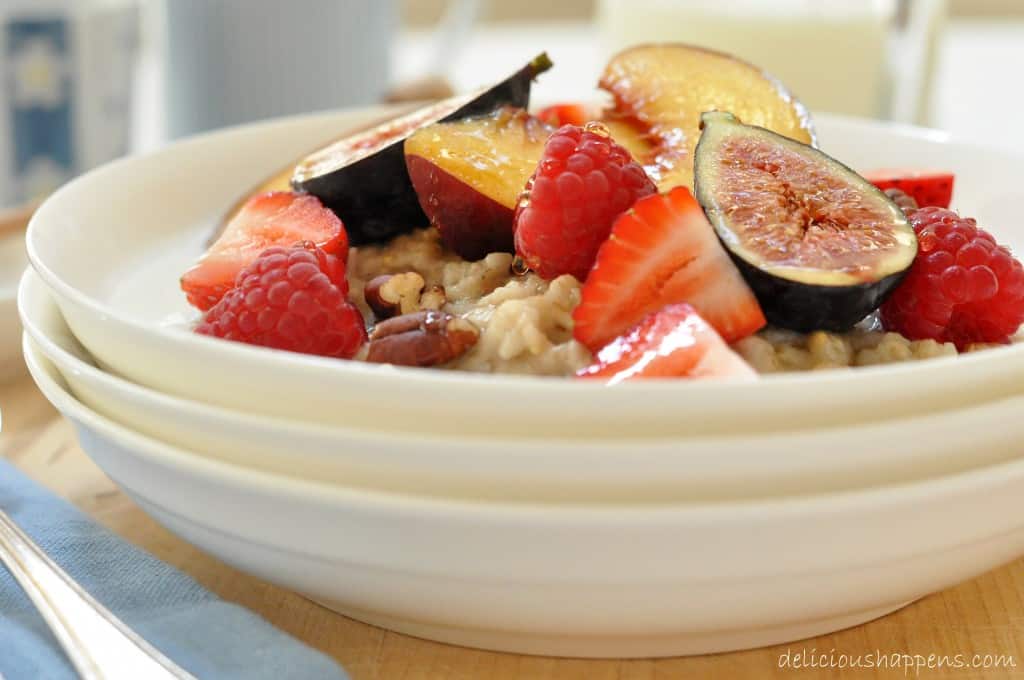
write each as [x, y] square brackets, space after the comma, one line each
[363, 178]
[631, 136]
[665, 89]
[468, 175]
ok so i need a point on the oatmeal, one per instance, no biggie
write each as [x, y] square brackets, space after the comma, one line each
[620, 271]
[774, 351]
[526, 327]
[525, 322]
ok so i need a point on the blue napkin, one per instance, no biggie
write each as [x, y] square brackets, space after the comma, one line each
[204, 635]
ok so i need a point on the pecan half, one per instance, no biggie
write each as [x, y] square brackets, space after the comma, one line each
[426, 338]
[392, 294]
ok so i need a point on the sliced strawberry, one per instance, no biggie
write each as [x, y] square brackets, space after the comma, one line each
[568, 114]
[663, 251]
[927, 187]
[673, 342]
[278, 218]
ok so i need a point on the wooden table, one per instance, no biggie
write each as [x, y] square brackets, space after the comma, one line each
[984, 616]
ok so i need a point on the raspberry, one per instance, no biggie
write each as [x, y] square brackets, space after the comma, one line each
[583, 182]
[962, 288]
[292, 299]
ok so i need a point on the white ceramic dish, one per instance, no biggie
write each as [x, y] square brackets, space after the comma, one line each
[12, 263]
[554, 470]
[112, 244]
[597, 580]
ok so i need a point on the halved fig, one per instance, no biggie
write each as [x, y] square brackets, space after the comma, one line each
[819, 245]
[665, 88]
[363, 178]
[281, 180]
[469, 174]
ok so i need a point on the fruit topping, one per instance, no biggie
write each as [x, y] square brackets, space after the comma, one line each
[820, 246]
[274, 219]
[363, 176]
[624, 130]
[661, 252]
[583, 182]
[964, 288]
[425, 338]
[568, 114]
[291, 299]
[673, 342]
[634, 138]
[468, 175]
[926, 187]
[667, 87]
[280, 181]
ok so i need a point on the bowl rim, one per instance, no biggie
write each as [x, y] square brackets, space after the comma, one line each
[590, 513]
[675, 450]
[64, 360]
[219, 350]
[53, 352]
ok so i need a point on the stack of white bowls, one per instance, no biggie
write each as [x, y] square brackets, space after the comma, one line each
[525, 514]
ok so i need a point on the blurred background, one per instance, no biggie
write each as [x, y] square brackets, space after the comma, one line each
[89, 80]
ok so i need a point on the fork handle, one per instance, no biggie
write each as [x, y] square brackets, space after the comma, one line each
[99, 645]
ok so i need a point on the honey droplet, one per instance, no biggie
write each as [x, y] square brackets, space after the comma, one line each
[598, 128]
[524, 199]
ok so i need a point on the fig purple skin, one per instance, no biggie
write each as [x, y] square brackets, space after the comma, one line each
[363, 178]
[806, 307]
[842, 218]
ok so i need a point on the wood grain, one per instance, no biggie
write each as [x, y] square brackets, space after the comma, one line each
[983, 616]
[14, 220]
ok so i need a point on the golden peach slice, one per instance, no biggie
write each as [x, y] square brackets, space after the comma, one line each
[468, 175]
[665, 89]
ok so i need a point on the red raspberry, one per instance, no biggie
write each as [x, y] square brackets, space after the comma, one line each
[292, 299]
[962, 288]
[583, 182]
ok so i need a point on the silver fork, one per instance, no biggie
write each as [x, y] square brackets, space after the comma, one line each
[99, 645]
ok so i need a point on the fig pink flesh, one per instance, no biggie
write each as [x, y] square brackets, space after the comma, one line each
[795, 212]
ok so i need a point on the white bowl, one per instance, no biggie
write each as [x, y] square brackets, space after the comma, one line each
[112, 244]
[644, 470]
[596, 580]
[12, 262]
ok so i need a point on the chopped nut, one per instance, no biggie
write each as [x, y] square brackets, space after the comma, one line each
[425, 338]
[433, 298]
[393, 294]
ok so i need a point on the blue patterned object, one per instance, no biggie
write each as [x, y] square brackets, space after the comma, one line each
[39, 94]
[206, 636]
